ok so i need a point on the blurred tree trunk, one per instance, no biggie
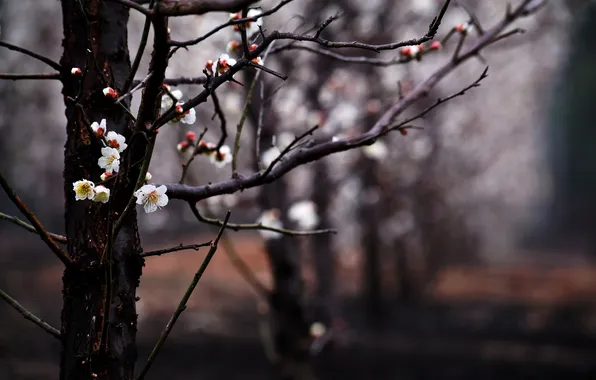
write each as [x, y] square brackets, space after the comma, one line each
[287, 316]
[99, 321]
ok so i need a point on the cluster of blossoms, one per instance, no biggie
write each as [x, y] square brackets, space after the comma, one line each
[218, 157]
[172, 98]
[302, 213]
[148, 195]
[234, 47]
[417, 51]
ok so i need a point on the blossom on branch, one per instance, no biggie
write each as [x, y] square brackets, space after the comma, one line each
[151, 197]
[412, 51]
[233, 47]
[377, 151]
[99, 129]
[223, 63]
[109, 92]
[304, 214]
[148, 177]
[188, 117]
[252, 27]
[109, 160]
[221, 157]
[166, 100]
[464, 28]
[116, 141]
[76, 71]
[105, 175]
[270, 218]
[83, 190]
[101, 194]
[182, 146]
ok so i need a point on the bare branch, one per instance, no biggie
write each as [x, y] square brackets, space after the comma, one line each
[140, 51]
[134, 5]
[53, 64]
[30, 228]
[308, 154]
[229, 23]
[29, 315]
[199, 7]
[182, 305]
[45, 236]
[42, 76]
[177, 248]
[255, 226]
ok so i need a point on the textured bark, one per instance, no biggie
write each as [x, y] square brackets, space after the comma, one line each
[99, 321]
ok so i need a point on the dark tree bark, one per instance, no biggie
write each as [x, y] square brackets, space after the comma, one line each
[99, 321]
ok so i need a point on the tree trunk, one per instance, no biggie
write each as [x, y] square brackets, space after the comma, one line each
[99, 321]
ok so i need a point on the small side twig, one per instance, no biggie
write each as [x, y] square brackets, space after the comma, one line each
[42, 76]
[53, 64]
[41, 231]
[182, 305]
[177, 248]
[29, 315]
[30, 228]
[255, 226]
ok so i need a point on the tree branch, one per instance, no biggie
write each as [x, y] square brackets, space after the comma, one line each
[41, 231]
[42, 76]
[180, 247]
[199, 7]
[308, 154]
[183, 301]
[30, 228]
[255, 226]
[53, 64]
[29, 315]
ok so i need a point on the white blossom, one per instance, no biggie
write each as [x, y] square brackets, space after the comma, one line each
[116, 141]
[377, 151]
[102, 194]
[222, 157]
[223, 63]
[83, 189]
[304, 213]
[167, 102]
[109, 92]
[152, 197]
[105, 175]
[99, 128]
[317, 330]
[270, 218]
[252, 27]
[233, 47]
[269, 156]
[76, 71]
[188, 117]
[109, 160]
[148, 177]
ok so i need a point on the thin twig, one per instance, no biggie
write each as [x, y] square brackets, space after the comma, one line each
[54, 65]
[440, 101]
[288, 148]
[41, 231]
[255, 226]
[182, 305]
[139, 56]
[29, 315]
[42, 76]
[177, 248]
[243, 269]
[135, 6]
[229, 23]
[30, 228]
[192, 157]
[136, 88]
[222, 121]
